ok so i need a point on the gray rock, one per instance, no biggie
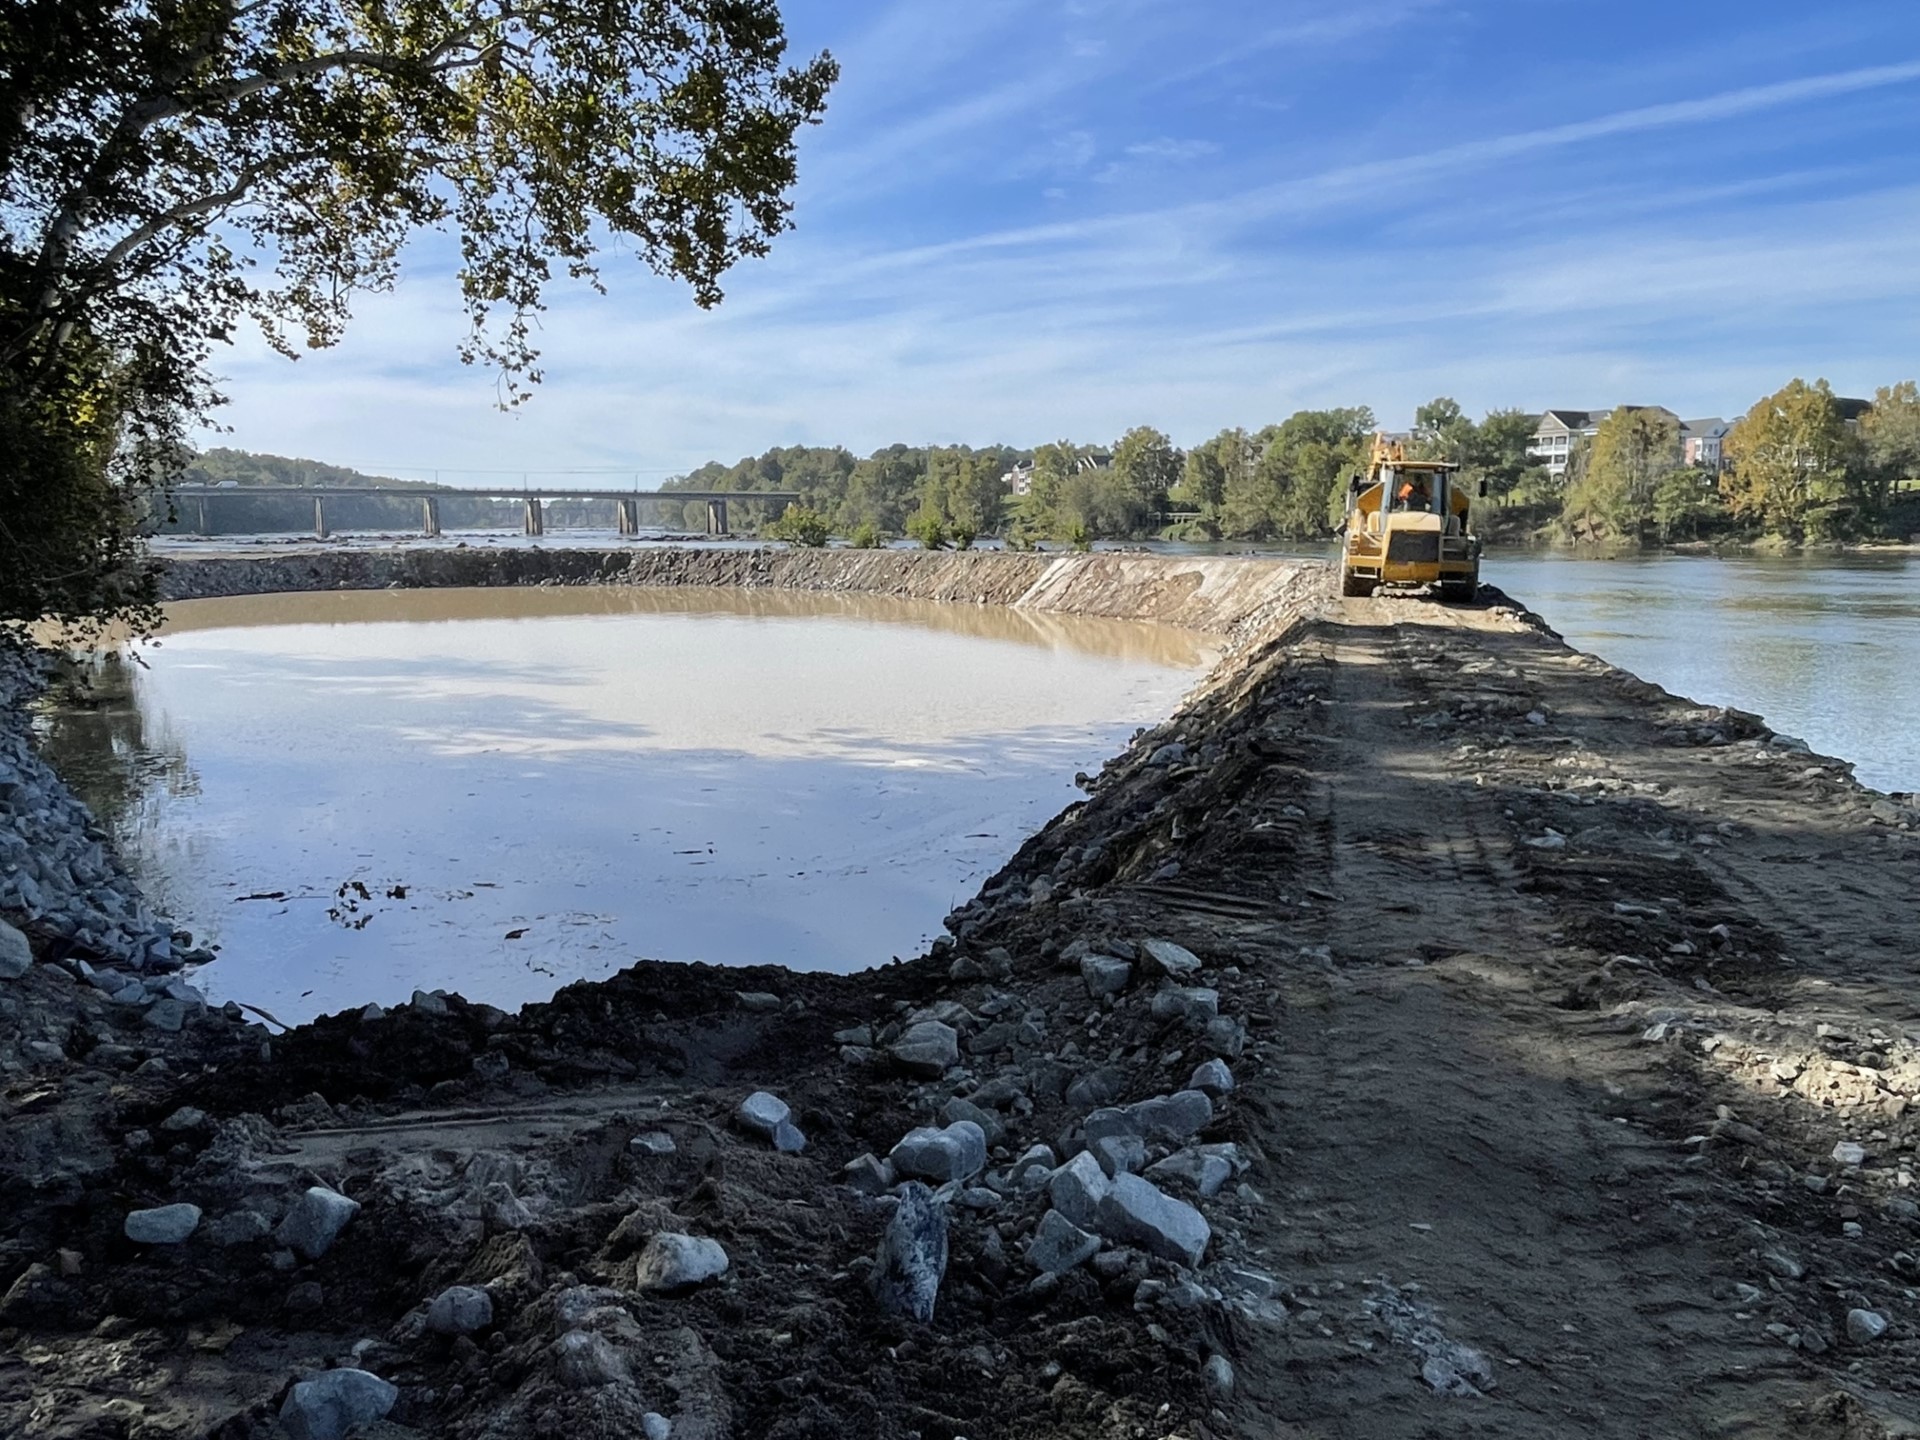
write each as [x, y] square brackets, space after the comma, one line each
[242, 1227]
[1105, 975]
[331, 1405]
[1110, 1122]
[1171, 753]
[760, 1002]
[460, 1310]
[371, 1011]
[166, 1016]
[1077, 1188]
[861, 1035]
[1136, 1212]
[1120, 1153]
[315, 1222]
[1059, 1245]
[583, 1360]
[163, 1225]
[1865, 1326]
[678, 1262]
[1212, 1078]
[868, 1174]
[1225, 1036]
[1031, 1170]
[1196, 1008]
[1778, 1262]
[1217, 1378]
[991, 1125]
[16, 956]
[652, 1142]
[425, 1002]
[958, 1152]
[1175, 961]
[1184, 1113]
[787, 1138]
[185, 1118]
[912, 1258]
[1204, 1168]
[928, 1048]
[1097, 1087]
[762, 1113]
[655, 1426]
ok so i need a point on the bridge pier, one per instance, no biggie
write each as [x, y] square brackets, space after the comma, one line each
[628, 518]
[430, 518]
[536, 523]
[320, 531]
[202, 503]
[717, 517]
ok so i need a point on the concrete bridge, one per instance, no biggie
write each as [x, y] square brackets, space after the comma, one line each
[626, 503]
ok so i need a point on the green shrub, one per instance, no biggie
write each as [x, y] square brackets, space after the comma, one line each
[800, 525]
[930, 530]
[866, 536]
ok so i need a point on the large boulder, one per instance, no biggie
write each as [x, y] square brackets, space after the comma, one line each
[1077, 1188]
[16, 956]
[460, 1310]
[163, 1225]
[928, 1048]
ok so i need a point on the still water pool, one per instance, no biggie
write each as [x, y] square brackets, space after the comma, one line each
[502, 791]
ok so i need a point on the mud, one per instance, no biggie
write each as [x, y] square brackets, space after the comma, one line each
[1549, 997]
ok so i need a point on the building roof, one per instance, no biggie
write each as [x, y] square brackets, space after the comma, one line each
[1710, 428]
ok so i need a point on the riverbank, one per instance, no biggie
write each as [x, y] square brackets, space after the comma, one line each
[1522, 1076]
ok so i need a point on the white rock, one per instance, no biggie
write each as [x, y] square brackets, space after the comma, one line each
[460, 1310]
[928, 1049]
[1850, 1152]
[331, 1405]
[679, 1262]
[315, 1222]
[1865, 1326]
[163, 1225]
[1136, 1212]
[1212, 1078]
[762, 1113]
[655, 1426]
[1184, 1113]
[956, 1152]
[1105, 975]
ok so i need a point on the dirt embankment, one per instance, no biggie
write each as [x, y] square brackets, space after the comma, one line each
[1569, 1033]
[1219, 595]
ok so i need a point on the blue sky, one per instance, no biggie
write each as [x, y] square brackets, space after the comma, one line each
[1031, 219]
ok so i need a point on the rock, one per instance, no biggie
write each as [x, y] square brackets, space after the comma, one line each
[991, 1125]
[1174, 961]
[425, 1002]
[678, 1262]
[1865, 1326]
[1194, 1008]
[928, 1048]
[1105, 975]
[787, 1138]
[868, 1174]
[583, 1360]
[1136, 1212]
[1184, 1113]
[655, 1426]
[1778, 1262]
[912, 1258]
[861, 1035]
[1031, 1170]
[760, 1002]
[1212, 1078]
[1096, 1088]
[163, 1225]
[1077, 1188]
[1225, 1036]
[167, 1016]
[185, 1118]
[761, 1114]
[1171, 753]
[1204, 1168]
[652, 1142]
[1059, 1244]
[958, 1152]
[331, 1405]
[371, 1011]
[315, 1222]
[16, 956]
[1110, 1122]
[1119, 1153]
[305, 1298]
[1849, 1152]
[460, 1310]
[1216, 1376]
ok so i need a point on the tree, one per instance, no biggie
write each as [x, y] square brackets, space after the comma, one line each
[1442, 431]
[174, 167]
[1789, 459]
[1634, 449]
[800, 525]
[1147, 463]
[1890, 437]
[1499, 455]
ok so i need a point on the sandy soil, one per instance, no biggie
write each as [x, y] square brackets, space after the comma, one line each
[1558, 995]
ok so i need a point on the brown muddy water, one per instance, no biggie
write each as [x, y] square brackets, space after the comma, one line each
[499, 792]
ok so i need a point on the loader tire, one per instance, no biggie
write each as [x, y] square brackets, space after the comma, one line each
[1356, 585]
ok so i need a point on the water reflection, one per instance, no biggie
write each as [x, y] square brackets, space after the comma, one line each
[567, 780]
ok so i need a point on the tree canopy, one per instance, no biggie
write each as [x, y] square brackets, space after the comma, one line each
[173, 168]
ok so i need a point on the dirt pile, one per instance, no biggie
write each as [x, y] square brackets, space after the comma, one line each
[1527, 1052]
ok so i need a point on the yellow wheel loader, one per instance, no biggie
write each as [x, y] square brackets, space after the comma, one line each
[1407, 524]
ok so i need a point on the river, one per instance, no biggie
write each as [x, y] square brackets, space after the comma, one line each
[501, 791]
